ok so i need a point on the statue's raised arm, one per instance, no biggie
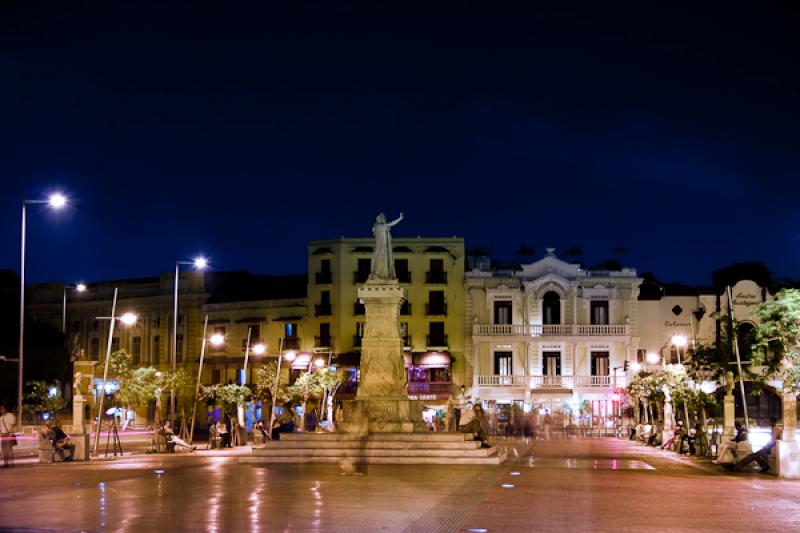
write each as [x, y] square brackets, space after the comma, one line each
[382, 266]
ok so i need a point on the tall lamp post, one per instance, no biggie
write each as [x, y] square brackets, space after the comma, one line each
[199, 263]
[217, 339]
[79, 288]
[54, 201]
[128, 319]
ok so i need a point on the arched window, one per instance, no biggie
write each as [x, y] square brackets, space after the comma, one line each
[745, 336]
[551, 308]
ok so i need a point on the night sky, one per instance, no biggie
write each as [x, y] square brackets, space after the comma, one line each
[245, 132]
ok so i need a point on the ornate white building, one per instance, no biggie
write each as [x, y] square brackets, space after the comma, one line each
[550, 337]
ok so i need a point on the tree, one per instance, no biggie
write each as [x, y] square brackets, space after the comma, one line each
[330, 381]
[574, 253]
[524, 251]
[228, 398]
[777, 337]
[43, 399]
[732, 274]
[305, 387]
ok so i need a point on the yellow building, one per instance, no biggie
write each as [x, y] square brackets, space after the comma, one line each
[432, 320]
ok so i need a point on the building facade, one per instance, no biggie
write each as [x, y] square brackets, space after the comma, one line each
[431, 270]
[551, 338]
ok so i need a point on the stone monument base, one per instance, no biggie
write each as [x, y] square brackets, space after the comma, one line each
[383, 415]
[787, 459]
[82, 447]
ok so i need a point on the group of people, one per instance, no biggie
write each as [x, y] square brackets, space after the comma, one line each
[734, 453]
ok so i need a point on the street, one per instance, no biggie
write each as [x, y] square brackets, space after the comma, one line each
[562, 485]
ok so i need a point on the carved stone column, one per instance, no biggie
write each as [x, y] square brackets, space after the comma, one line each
[787, 450]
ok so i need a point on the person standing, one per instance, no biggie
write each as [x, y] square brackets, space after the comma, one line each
[8, 427]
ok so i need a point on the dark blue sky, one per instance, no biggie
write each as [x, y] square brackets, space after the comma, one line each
[245, 132]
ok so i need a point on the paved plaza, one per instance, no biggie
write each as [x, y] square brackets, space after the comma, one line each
[563, 485]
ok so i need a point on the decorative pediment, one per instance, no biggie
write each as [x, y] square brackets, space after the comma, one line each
[551, 264]
[549, 282]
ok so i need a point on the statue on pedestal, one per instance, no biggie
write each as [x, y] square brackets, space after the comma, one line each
[382, 266]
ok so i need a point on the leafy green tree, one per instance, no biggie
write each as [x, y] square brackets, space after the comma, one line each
[330, 381]
[574, 253]
[43, 399]
[777, 337]
[305, 387]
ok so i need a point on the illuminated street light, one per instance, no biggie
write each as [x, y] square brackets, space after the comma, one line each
[653, 358]
[57, 200]
[54, 201]
[200, 263]
[79, 288]
[259, 349]
[290, 355]
[217, 339]
[680, 341]
[636, 367]
[319, 363]
[128, 319]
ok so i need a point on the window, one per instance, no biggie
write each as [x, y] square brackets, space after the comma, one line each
[358, 308]
[219, 330]
[255, 333]
[401, 269]
[136, 350]
[502, 312]
[115, 344]
[436, 273]
[363, 269]
[360, 329]
[156, 355]
[745, 336]
[94, 348]
[324, 306]
[641, 356]
[436, 335]
[324, 274]
[179, 348]
[404, 334]
[215, 376]
[551, 364]
[551, 308]
[324, 339]
[436, 305]
[600, 363]
[599, 312]
[502, 363]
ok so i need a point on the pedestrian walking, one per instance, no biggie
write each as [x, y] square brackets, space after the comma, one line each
[8, 428]
[548, 425]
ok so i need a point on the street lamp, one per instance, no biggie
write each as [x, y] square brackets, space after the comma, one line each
[79, 288]
[217, 339]
[127, 319]
[652, 358]
[636, 367]
[199, 263]
[680, 341]
[54, 201]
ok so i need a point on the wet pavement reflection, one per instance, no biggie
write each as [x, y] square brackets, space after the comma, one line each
[575, 485]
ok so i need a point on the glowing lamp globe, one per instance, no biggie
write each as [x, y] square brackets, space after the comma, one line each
[57, 200]
[217, 339]
[259, 349]
[128, 319]
[653, 358]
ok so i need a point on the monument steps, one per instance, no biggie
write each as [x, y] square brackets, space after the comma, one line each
[376, 448]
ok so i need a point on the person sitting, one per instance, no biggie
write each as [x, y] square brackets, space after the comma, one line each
[729, 446]
[284, 422]
[61, 444]
[172, 438]
[470, 422]
[224, 434]
[762, 456]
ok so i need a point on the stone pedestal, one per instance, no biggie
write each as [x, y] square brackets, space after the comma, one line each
[729, 417]
[668, 421]
[382, 404]
[79, 436]
[787, 450]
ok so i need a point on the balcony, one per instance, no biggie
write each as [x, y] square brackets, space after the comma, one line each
[424, 388]
[404, 277]
[322, 310]
[323, 278]
[435, 277]
[502, 381]
[405, 308]
[437, 341]
[291, 343]
[436, 309]
[360, 277]
[600, 381]
[550, 382]
[550, 330]
[358, 309]
[323, 342]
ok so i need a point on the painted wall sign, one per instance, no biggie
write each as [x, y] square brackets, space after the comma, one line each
[675, 324]
[746, 299]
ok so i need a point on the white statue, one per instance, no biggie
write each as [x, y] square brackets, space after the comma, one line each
[382, 268]
[77, 385]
